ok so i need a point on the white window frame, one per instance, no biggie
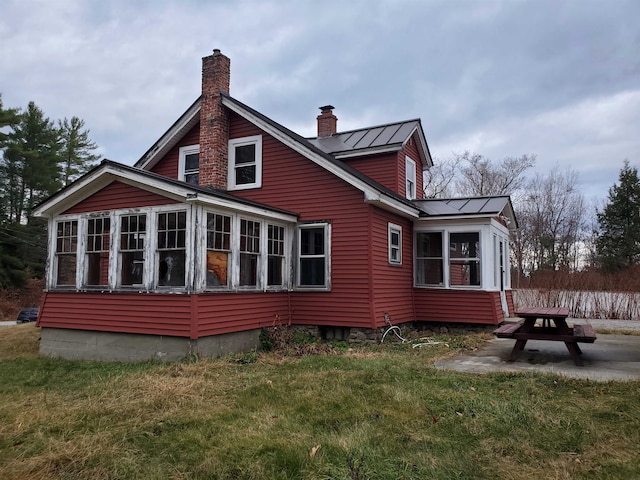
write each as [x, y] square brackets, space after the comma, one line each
[234, 254]
[410, 174]
[183, 152]
[240, 142]
[447, 260]
[79, 251]
[443, 259]
[391, 229]
[326, 255]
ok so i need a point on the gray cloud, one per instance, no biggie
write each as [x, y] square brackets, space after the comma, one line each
[502, 78]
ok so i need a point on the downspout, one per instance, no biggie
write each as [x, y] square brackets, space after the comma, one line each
[413, 288]
[372, 310]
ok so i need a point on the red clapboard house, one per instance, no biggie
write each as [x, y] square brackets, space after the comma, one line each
[231, 222]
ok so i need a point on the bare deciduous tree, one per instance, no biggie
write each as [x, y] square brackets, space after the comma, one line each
[479, 176]
[552, 218]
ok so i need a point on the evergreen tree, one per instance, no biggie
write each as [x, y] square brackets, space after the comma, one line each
[76, 157]
[30, 165]
[618, 245]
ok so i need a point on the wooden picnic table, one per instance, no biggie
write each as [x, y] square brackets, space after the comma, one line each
[560, 331]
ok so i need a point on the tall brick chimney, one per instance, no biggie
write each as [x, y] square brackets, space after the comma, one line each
[214, 121]
[327, 121]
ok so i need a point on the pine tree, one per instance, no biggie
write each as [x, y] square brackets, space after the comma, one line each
[618, 245]
[30, 169]
[76, 156]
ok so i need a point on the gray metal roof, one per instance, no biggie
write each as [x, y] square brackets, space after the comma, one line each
[380, 137]
[474, 206]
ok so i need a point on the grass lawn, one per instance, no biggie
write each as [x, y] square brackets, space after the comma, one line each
[378, 412]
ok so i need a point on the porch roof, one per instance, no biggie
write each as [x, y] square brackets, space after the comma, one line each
[468, 207]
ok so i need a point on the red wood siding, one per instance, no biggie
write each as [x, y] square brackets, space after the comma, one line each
[381, 168]
[168, 165]
[295, 183]
[119, 195]
[463, 306]
[164, 314]
[510, 305]
[392, 284]
[156, 314]
[231, 312]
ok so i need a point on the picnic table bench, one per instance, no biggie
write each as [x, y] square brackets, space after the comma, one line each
[527, 330]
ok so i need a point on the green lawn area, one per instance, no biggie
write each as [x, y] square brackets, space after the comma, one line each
[378, 412]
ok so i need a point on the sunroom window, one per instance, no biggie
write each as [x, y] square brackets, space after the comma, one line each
[97, 251]
[66, 248]
[172, 227]
[218, 249]
[464, 259]
[429, 258]
[249, 252]
[275, 255]
[133, 229]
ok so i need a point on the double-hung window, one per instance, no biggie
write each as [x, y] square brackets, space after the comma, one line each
[218, 249]
[429, 259]
[97, 251]
[245, 163]
[133, 229]
[66, 252]
[249, 252]
[464, 259]
[313, 256]
[395, 244]
[172, 229]
[189, 164]
[275, 255]
[410, 176]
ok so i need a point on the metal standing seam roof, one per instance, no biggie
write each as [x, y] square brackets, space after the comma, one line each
[463, 206]
[392, 134]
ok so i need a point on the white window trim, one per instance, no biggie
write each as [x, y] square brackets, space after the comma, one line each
[410, 167]
[446, 258]
[391, 228]
[326, 256]
[183, 152]
[234, 254]
[231, 176]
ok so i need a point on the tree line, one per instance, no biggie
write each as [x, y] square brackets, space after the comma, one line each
[38, 156]
[558, 229]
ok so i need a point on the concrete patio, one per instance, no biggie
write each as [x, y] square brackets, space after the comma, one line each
[611, 357]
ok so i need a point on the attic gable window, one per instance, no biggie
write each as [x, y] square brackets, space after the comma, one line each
[189, 164]
[245, 163]
[410, 175]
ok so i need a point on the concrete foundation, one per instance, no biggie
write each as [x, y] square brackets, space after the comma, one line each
[130, 347]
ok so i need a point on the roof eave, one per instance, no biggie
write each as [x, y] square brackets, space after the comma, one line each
[306, 149]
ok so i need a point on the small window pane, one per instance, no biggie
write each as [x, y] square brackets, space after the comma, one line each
[191, 161]
[245, 175]
[312, 271]
[246, 154]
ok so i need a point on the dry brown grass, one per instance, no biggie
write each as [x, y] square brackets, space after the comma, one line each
[19, 341]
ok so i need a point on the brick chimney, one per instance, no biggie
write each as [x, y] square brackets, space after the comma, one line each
[327, 121]
[214, 121]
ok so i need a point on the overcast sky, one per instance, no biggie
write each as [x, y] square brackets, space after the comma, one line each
[557, 79]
